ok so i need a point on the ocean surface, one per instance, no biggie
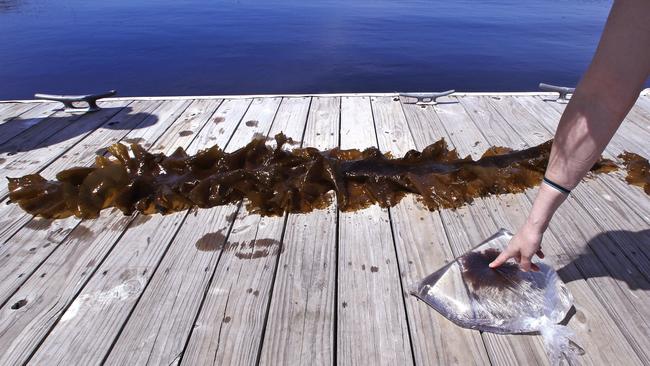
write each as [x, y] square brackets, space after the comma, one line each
[207, 47]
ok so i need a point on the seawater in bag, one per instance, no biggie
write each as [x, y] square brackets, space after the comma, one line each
[503, 300]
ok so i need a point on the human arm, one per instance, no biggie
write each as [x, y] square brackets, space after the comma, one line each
[601, 101]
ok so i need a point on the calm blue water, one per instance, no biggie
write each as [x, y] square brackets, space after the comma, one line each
[198, 47]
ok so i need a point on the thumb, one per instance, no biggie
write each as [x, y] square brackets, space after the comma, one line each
[501, 259]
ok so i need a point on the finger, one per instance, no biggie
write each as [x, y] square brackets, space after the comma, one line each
[501, 259]
[540, 254]
[524, 264]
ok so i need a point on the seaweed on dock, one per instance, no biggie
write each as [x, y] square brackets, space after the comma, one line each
[638, 170]
[274, 180]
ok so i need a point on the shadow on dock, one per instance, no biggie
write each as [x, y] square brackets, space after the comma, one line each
[31, 134]
[619, 254]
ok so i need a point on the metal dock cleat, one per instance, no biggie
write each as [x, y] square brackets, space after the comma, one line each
[70, 100]
[563, 90]
[426, 98]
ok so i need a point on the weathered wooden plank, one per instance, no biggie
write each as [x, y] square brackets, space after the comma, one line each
[601, 257]
[13, 148]
[636, 137]
[463, 234]
[370, 298]
[10, 111]
[643, 105]
[618, 300]
[131, 264]
[12, 218]
[64, 273]
[164, 302]
[422, 247]
[620, 288]
[229, 327]
[633, 196]
[234, 295]
[612, 214]
[4, 106]
[597, 332]
[300, 325]
[593, 194]
[25, 121]
[157, 331]
[639, 115]
[38, 153]
[22, 253]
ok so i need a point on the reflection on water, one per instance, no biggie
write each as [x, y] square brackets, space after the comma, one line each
[8, 5]
[193, 47]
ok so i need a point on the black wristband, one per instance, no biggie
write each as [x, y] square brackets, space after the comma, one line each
[556, 186]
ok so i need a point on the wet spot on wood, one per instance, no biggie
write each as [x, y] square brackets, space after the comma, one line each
[345, 304]
[82, 233]
[210, 242]
[258, 248]
[374, 269]
[249, 290]
[260, 136]
[363, 267]
[141, 219]
[43, 275]
[104, 273]
[134, 140]
[127, 274]
[219, 120]
[226, 319]
[580, 316]
[256, 293]
[252, 123]
[185, 133]
[2, 160]
[19, 304]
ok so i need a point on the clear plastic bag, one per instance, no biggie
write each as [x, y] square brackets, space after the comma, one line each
[503, 300]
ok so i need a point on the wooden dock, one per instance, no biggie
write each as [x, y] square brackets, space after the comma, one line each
[220, 286]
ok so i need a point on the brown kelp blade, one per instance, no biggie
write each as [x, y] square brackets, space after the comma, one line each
[274, 180]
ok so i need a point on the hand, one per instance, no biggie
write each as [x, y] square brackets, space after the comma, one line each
[522, 247]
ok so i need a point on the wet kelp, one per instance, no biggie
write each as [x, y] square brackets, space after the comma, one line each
[638, 170]
[274, 180]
